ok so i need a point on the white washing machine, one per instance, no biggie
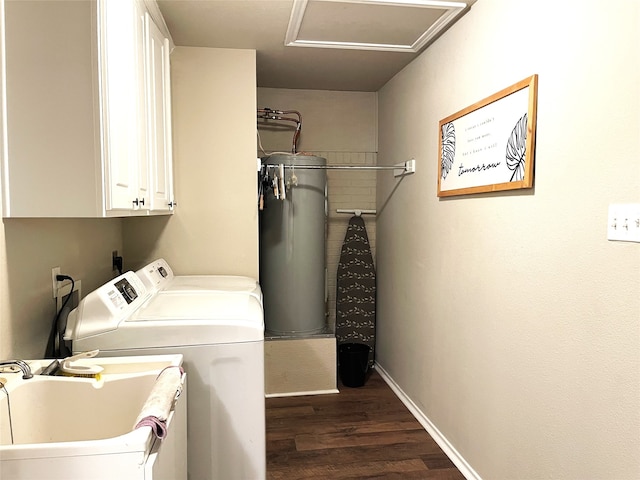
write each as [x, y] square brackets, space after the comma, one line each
[221, 337]
[158, 276]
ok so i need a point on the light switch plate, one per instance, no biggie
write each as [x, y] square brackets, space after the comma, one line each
[623, 222]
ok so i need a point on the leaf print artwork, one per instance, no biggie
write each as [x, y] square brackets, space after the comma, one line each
[489, 146]
[517, 149]
[448, 148]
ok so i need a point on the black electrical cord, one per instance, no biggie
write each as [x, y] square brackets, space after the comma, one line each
[52, 351]
[117, 263]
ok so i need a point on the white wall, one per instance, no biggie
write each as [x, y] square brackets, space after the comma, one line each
[29, 249]
[509, 319]
[331, 120]
[215, 227]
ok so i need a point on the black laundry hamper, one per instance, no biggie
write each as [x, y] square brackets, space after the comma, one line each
[353, 362]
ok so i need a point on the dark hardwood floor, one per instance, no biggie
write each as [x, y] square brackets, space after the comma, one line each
[361, 432]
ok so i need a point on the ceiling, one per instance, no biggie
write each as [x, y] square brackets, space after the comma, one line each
[355, 45]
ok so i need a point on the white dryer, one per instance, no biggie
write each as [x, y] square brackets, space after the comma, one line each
[221, 337]
[158, 276]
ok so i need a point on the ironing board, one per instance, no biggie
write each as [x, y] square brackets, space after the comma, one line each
[356, 289]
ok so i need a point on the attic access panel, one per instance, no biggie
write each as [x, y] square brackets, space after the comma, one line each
[383, 25]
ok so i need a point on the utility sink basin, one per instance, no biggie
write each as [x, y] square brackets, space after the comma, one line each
[69, 427]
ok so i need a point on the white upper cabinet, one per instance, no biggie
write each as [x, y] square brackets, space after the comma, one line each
[81, 138]
[122, 110]
[159, 117]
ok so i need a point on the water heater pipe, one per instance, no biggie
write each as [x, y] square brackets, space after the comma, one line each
[269, 114]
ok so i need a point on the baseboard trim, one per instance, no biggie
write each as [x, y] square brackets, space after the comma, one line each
[300, 394]
[457, 459]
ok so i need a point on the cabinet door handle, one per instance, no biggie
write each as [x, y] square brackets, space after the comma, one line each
[173, 204]
[137, 202]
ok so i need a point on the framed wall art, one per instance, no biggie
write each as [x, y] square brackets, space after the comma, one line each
[489, 146]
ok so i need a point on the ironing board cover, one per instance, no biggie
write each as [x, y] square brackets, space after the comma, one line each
[356, 289]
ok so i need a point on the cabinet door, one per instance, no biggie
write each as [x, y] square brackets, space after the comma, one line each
[142, 156]
[119, 76]
[159, 118]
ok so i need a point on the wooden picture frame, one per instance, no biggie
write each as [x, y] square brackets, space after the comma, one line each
[489, 146]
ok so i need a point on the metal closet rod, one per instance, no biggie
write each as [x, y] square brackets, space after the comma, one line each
[356, 211]
[336, 167]
[407, 167]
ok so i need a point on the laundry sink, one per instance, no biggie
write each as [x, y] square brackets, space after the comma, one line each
[71, 427]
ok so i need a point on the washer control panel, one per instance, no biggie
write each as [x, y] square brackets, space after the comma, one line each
[156, 275]
[103, 309]
[127, 292]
